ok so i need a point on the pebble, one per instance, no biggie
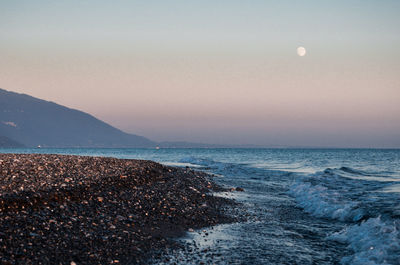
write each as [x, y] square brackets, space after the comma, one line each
[98, 210]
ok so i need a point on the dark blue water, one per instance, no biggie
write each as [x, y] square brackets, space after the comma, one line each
[303, 206]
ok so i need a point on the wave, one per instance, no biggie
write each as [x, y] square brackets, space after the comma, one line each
[348, 172]
[333, 194]
[201, 161]
[381, 174]
[241, 170]
[328, 194]
[216, 167]
[319, 201]
[372, 229]
[357, 171]
[374, 241]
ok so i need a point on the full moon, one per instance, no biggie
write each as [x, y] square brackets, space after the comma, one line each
[301, 51]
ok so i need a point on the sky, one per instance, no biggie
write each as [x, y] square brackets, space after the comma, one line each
[223, 72]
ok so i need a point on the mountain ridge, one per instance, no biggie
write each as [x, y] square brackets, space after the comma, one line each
[32, 121]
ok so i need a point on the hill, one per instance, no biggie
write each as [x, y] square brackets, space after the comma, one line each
[32, 122]
[6, 142]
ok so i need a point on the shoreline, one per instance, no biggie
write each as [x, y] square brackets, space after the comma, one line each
[65, 208]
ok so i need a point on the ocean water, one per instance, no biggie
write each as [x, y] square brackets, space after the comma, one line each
[303, 206]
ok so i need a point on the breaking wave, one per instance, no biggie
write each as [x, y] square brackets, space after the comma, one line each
[372, 231]
[374, 241]
[321, 202]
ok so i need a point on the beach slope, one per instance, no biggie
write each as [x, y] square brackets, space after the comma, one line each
[60, 209]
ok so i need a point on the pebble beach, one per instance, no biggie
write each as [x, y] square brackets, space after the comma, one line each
[64, 209]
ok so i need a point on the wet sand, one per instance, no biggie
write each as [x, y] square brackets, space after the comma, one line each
[63, 209]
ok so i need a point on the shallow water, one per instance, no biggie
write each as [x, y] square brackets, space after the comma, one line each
[303, 206]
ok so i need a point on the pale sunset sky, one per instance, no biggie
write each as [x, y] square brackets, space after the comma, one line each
[223, 72]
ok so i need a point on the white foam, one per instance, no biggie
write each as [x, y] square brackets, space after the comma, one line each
[392, 189]
[373, 242]
[292, 167]
[196, 161]
[178, 164]
[321, 202]
[204, 162]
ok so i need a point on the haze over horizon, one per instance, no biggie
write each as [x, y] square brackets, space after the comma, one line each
[223, 72]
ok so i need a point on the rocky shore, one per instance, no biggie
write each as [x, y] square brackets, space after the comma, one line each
[61, 209]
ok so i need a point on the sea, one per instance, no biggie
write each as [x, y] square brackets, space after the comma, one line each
[299, 206]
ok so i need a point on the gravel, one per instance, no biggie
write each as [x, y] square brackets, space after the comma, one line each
[63, 209]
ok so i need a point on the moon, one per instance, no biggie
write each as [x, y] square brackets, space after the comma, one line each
[301, 51]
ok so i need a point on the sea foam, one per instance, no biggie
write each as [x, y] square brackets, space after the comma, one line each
[374, 241]
[321, 202]
[331, 194]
